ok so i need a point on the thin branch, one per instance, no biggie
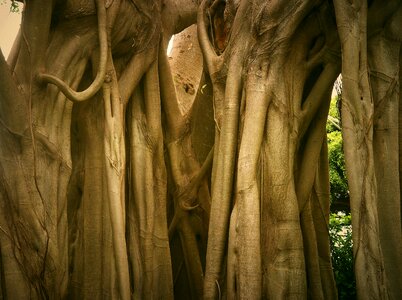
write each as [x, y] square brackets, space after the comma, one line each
[335, 122]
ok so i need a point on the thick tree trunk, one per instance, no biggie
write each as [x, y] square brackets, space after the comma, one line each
[274, 121]
[126, 174]
[370, 117]
[383, 55]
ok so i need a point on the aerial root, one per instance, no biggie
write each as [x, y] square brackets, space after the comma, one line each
[100, 76]
[223, 179]
[115, 160]
[245, 232]
[190, 193]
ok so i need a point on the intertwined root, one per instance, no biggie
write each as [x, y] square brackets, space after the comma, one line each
[264, 125]
[108, 184]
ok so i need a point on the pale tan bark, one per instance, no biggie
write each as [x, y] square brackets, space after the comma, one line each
[357, 124]
[118, 187]
[191, 200]
[383, 55]
[248, 271]
[280, 207]
[91, 275]
[147, 201]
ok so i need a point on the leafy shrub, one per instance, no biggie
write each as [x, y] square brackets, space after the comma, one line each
[340, 227]
[340, 232]
[337, 172]
[336, 158]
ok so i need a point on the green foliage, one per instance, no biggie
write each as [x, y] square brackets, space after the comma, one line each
[340, 232]
[337, 172]
[340, 228]
[333, 123]
[14, 7]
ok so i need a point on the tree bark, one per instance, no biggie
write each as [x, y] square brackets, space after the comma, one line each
[357, 124]
[128, 174]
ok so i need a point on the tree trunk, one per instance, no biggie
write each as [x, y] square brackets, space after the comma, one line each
[369, 117]
[125, 173]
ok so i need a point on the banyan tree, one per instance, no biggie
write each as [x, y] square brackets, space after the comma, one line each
[126, 173]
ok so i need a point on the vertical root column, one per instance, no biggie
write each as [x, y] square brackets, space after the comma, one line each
[115, 162]
[245, 232]
[320, 212]
[148, 236]
[223, 181]
[357, 129]
[320, 286]
[383, 59]
[283, 255]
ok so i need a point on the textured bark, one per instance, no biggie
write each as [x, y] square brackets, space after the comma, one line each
[368, 110]
[125, 173]
[400, 130]
[274, 121]
[383, 55]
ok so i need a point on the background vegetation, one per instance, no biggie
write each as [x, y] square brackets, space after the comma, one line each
[337, 172]
[340, 226]
[14, 7]
[340, 232]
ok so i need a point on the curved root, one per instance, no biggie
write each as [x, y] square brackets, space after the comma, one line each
[100, 76]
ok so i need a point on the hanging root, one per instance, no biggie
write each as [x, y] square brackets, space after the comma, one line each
[226, 109]
[222, 187]
[114, 165]
[100, 76]
[247, 228]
